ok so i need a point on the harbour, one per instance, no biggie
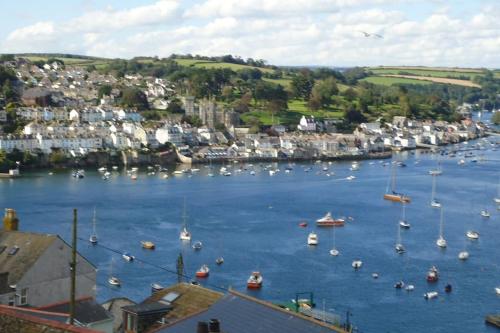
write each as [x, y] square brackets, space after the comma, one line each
[268, 209]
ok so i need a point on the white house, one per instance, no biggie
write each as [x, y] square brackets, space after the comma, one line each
[307, 123]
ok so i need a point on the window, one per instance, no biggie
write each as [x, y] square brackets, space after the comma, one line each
[12, 300]
[24, 296]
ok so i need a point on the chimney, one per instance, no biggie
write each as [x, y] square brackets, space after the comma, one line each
[10, 220]
[202, 327]
[214, 326]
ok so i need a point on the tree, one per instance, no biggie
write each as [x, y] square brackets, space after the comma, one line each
[9, 92]
[192, 120]
[133, 97]
[496, 118]
[104, 90]
[354, 116]
[302, 84]
[350, 94]
[175, 106]
[322, 92]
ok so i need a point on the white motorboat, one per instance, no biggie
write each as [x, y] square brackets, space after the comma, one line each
[464, 255]
[203, 272]
[114, 281]
[115, 167]
[403, 223]
[155, 287]
[399, 285]
[410, 287]
[255, 281]
[356, 264]
[431, 294]
[375, 275]
[197, 246]
[102, 169]
[441, 242]
[461, 162]
[497, 290]
[485, 213]
[400, 248]
[312, 239]
[272, 172]
[354, 166]
[252, 173]
[219, 261]
[185, 235]
[471, 234]
[128, 257]
[435, 204]
[351, 177]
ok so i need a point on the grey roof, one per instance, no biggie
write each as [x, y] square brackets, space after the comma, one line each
[87, 310]
[244, 314]
[31, 247]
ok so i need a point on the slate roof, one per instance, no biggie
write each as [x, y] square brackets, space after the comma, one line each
[243, 314]
[31, 247]
[87, 310]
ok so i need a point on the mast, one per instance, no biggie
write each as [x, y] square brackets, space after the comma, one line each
[184, 216]
[398, 241]
[441, 225]
[403, 217]
[433, 195]
[393, 181]
[94, 224]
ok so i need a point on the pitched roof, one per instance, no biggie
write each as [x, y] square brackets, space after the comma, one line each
[192, 299]
[244, 314]
[31, 247]
[87, 310]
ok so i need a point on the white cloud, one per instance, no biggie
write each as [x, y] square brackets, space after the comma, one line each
[320, 32]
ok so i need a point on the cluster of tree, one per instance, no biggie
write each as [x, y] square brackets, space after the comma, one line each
[488, 96]
[225, 58]
[134, 98]
[8, 81]
[9, 160]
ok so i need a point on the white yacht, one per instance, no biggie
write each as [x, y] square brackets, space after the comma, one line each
[471, 234]
[356, 264]
[312, 239]
[441, 242]
[464, 255]
[185, 234]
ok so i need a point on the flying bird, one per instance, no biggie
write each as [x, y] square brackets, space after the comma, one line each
[374, 35]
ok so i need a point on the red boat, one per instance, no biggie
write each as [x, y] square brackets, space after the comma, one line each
[254, 281]
[329, 221]
[203, 272]
[433, 274]
[303, 224]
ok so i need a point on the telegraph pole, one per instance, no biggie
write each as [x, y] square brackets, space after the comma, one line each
[72, 266]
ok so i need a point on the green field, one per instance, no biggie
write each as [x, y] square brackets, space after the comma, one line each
[389, 81]
[426, 72]
[215, 64]
[70, 61]
[296, 109]
[284, 82]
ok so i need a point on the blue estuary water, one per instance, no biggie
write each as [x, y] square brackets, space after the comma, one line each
[253, 222]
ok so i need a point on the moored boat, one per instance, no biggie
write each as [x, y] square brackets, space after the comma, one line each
[433, 274]
[312, 239]
[471, 234]
[255, 281]
[329, 221]
[128, 257]
[485, 213]
[219, 261]
[203, 272]
[93, 237]
[464, 255]
[356, 264]
[114, 281]
[197, 246]
[148, 245]
[155, 287]
[431, 294]
[497, 290]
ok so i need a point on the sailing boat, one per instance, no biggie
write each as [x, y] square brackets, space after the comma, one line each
[334, 252]
[436, 172]
[497, 198]
[185, 234]
[400, 249]
[113, 280]
[393, 195]
[441, 242]
[93, 236]
[403, 223]
[434, 202]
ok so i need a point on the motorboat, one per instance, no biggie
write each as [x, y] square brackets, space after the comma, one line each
[464, 255]
[197, 246]
[461, 162]
[485, 213]
[155, 287]
[312, 239]
[471, 234]
[356, 264]
[329, 221]
[375, 275]
[255, 281]
[114, 167]
[431, 295]
[351, 177]
[133, 177]
[203, 272]
[435, 204]
[410, 287]
[399, 285]
[497, 290]
[303, 224]
[128, 257]
[354, 166]
[148, 245]
[93, 239]
[79, 174]
[404, 224]
[114, 281]
[272, 172]
[433, 274]
[252, 173]
[219, 261]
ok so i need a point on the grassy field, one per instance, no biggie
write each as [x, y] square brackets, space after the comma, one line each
[71, 61]
[389, 81]
[426, 72]
[296, 109]
[214, 64]
[284, 82]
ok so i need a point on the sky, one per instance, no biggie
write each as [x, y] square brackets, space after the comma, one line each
[452, 33]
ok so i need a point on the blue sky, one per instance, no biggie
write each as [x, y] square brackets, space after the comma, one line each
[313, 32]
